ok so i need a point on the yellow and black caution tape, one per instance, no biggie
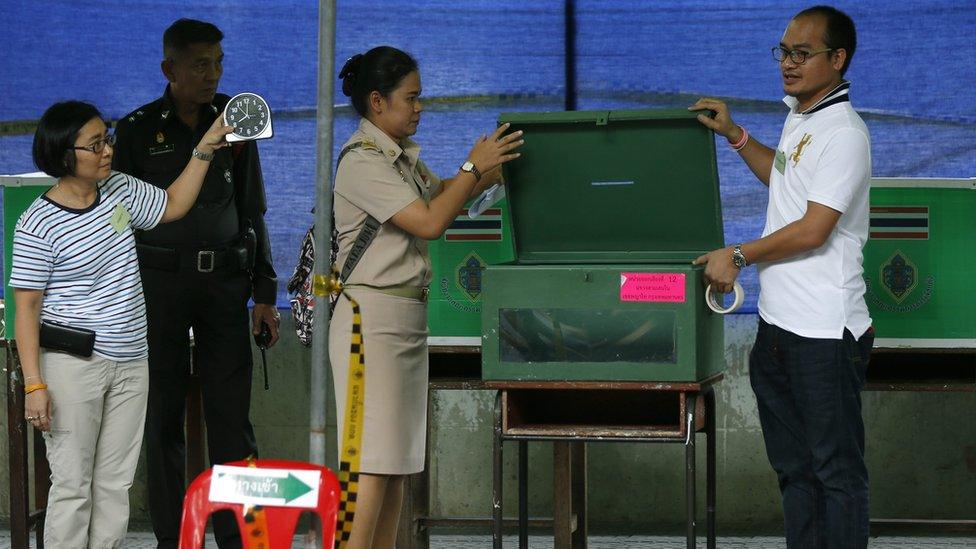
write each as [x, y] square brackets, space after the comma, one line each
[351, 442]
[256, 527]
[256, 522]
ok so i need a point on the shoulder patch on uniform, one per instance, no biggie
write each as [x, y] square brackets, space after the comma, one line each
[369, 144]
[138, 115]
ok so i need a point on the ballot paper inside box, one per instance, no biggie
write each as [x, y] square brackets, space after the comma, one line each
[607, 211]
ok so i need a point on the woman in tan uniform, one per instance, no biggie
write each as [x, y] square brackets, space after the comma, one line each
[380, 175]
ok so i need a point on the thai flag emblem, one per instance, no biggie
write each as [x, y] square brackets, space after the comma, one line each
[900, 222]
[485, 227]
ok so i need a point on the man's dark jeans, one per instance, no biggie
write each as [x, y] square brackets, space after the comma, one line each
[809, 395]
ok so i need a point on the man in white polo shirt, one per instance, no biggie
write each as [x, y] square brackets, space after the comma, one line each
[808, 363]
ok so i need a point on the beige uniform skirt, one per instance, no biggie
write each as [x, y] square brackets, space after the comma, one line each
[395, 347]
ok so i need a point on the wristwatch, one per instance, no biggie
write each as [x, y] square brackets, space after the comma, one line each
[472, 169]
[206, 157]
[737, 258]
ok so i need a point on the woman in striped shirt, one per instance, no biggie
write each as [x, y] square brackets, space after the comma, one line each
[74, 264]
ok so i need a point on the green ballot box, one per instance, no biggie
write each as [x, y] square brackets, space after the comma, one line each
[19, 191]
[919, 262]
[608, 209]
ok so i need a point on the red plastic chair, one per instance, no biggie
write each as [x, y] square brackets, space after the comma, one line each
[280, 520]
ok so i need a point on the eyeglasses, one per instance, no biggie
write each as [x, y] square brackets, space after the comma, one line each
[797, 56]
[98, 146]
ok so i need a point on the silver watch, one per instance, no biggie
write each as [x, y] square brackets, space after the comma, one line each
[472, 169]
[738, 258]
[206, 157]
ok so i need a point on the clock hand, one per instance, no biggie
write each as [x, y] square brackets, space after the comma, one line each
[247, 115]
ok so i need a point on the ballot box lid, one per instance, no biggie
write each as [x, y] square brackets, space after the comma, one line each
[613, 186]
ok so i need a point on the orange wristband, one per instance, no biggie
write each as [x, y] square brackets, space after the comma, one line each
[35, 387]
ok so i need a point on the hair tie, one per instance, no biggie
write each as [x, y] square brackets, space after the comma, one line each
[349, 72]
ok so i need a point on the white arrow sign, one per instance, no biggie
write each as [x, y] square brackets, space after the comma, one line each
[271, 487]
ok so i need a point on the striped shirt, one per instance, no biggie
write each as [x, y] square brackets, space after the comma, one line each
[85, 261]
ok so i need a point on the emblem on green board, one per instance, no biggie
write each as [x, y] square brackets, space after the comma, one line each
[469, 276]
[899, 276]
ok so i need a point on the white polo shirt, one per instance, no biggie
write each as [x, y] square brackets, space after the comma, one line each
[823, 156]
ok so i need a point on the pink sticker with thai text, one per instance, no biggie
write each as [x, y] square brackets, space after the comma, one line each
[654, 287]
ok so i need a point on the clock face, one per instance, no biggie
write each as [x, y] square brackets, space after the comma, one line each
[249, 114]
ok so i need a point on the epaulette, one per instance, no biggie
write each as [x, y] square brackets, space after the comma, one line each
[369, 144]
[139, 115]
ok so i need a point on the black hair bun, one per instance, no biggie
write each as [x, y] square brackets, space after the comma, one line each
[349, 73]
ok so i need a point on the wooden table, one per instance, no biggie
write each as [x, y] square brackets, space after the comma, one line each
[572, 413]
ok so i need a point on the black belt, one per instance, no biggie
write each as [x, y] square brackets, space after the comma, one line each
[232, 258]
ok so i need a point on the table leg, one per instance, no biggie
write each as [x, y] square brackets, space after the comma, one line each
[690, 469]
[496, 484]
[579, 493]
[416, 502]
[523, 479]
[562, 500]
[410, 534]
[17, 452]
[710, 466]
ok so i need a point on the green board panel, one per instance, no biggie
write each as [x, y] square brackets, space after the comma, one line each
[583, 322]
[18, 193]
[613, 186]
[458, 260]
[919, 260]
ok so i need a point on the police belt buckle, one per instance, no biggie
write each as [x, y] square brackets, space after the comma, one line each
[205, 261]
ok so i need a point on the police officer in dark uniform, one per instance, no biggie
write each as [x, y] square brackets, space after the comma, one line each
[198, 273]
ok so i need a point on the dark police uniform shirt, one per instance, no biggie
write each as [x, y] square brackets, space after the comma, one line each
[154, 145]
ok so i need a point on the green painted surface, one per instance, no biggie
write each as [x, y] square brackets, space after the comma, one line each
[594, 196]
[562, 322]
[915, 283]
[613, 187]
[456, 297]
[18, 194]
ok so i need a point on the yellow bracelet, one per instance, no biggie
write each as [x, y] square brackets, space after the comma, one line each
[35, 387]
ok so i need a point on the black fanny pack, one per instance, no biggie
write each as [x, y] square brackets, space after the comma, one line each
[75, 341]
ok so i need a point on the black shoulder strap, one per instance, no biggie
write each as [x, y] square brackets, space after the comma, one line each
[366, 234]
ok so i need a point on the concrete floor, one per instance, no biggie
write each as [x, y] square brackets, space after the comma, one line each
[145, 540]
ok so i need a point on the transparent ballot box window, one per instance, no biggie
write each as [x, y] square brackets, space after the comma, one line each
[587, 335]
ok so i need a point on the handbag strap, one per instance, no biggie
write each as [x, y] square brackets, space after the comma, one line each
[370, 228]
[366, 234]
